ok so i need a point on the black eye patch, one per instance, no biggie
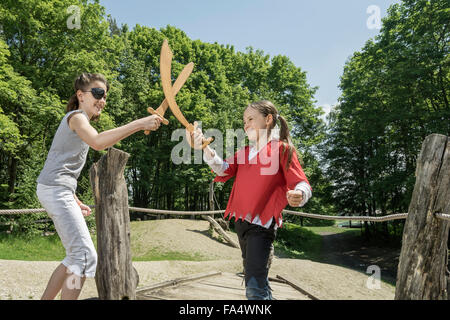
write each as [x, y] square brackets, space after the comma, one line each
[98, 93]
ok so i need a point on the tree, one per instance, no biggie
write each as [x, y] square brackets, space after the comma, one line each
[42, 56]
[394, 94]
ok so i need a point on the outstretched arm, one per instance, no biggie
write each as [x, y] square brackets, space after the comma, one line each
[224, 169]
[106, 139]
[218, 165]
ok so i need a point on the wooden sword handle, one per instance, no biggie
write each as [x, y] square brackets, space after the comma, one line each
[153, 111]
[206, 142]
[192, 128]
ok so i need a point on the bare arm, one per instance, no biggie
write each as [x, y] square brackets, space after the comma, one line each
[76, 199]
[106, 139]
[85, 210]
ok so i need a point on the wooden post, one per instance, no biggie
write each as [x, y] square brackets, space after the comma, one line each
[116, 277]
[211, 196]
[423, 258]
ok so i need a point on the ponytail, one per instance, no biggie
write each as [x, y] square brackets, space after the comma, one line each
[285, 138]
[72, 104]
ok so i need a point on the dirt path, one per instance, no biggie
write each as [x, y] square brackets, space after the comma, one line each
[326, 280]
[27, 279]
[352, 252]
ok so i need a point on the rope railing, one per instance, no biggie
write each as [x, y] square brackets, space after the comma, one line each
[145, 210]
[21, 211]
[352, 218]
[390, 217]
[442, 216]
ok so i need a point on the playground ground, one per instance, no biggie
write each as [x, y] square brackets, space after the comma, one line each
[339, 275]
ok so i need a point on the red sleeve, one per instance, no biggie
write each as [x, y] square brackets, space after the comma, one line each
[294, 174]
[233, 162]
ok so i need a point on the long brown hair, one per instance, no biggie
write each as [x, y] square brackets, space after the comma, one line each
[266, 107]
[82, 82]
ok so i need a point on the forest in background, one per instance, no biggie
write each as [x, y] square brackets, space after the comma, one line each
[362, 161]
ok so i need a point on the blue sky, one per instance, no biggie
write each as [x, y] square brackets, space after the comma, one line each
[317, 35]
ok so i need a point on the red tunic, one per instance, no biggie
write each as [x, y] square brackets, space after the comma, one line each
[254, 190]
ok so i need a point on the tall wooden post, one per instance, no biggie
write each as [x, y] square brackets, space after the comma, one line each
[116, 278]
[423, 258]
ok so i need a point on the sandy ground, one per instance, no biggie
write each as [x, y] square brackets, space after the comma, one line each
[27, 279]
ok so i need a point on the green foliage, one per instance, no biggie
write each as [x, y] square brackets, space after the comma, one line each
[293, 241]
[394, 94]
[222, 84]
[9, 134]
[35, 247]
[31, 247]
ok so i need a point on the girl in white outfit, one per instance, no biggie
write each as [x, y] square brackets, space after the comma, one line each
[57, 181]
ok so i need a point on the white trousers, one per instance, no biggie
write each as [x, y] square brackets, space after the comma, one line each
[60, 204]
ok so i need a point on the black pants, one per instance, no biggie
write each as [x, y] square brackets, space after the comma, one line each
[256, 244]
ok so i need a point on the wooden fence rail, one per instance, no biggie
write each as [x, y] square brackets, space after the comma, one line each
[390, 217]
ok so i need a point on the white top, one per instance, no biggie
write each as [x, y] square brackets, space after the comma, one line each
[66, 157]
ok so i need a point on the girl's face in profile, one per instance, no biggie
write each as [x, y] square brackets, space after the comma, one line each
[255, 123]
[92, 99]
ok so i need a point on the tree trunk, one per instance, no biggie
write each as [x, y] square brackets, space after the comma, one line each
[423, 258]
[12, 175]
[211, 196]
[186, 197]
[116, 277]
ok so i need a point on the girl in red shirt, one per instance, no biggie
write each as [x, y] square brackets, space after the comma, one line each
[268, 176]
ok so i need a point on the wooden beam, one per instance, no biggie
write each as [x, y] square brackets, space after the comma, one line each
[219, 230]
[297, 287]
[177, 281]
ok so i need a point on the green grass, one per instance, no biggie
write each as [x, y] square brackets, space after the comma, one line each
[292, 241]
[297, 242]
[49, 248]
[31, 248]
[334, 229]
[40, 248]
